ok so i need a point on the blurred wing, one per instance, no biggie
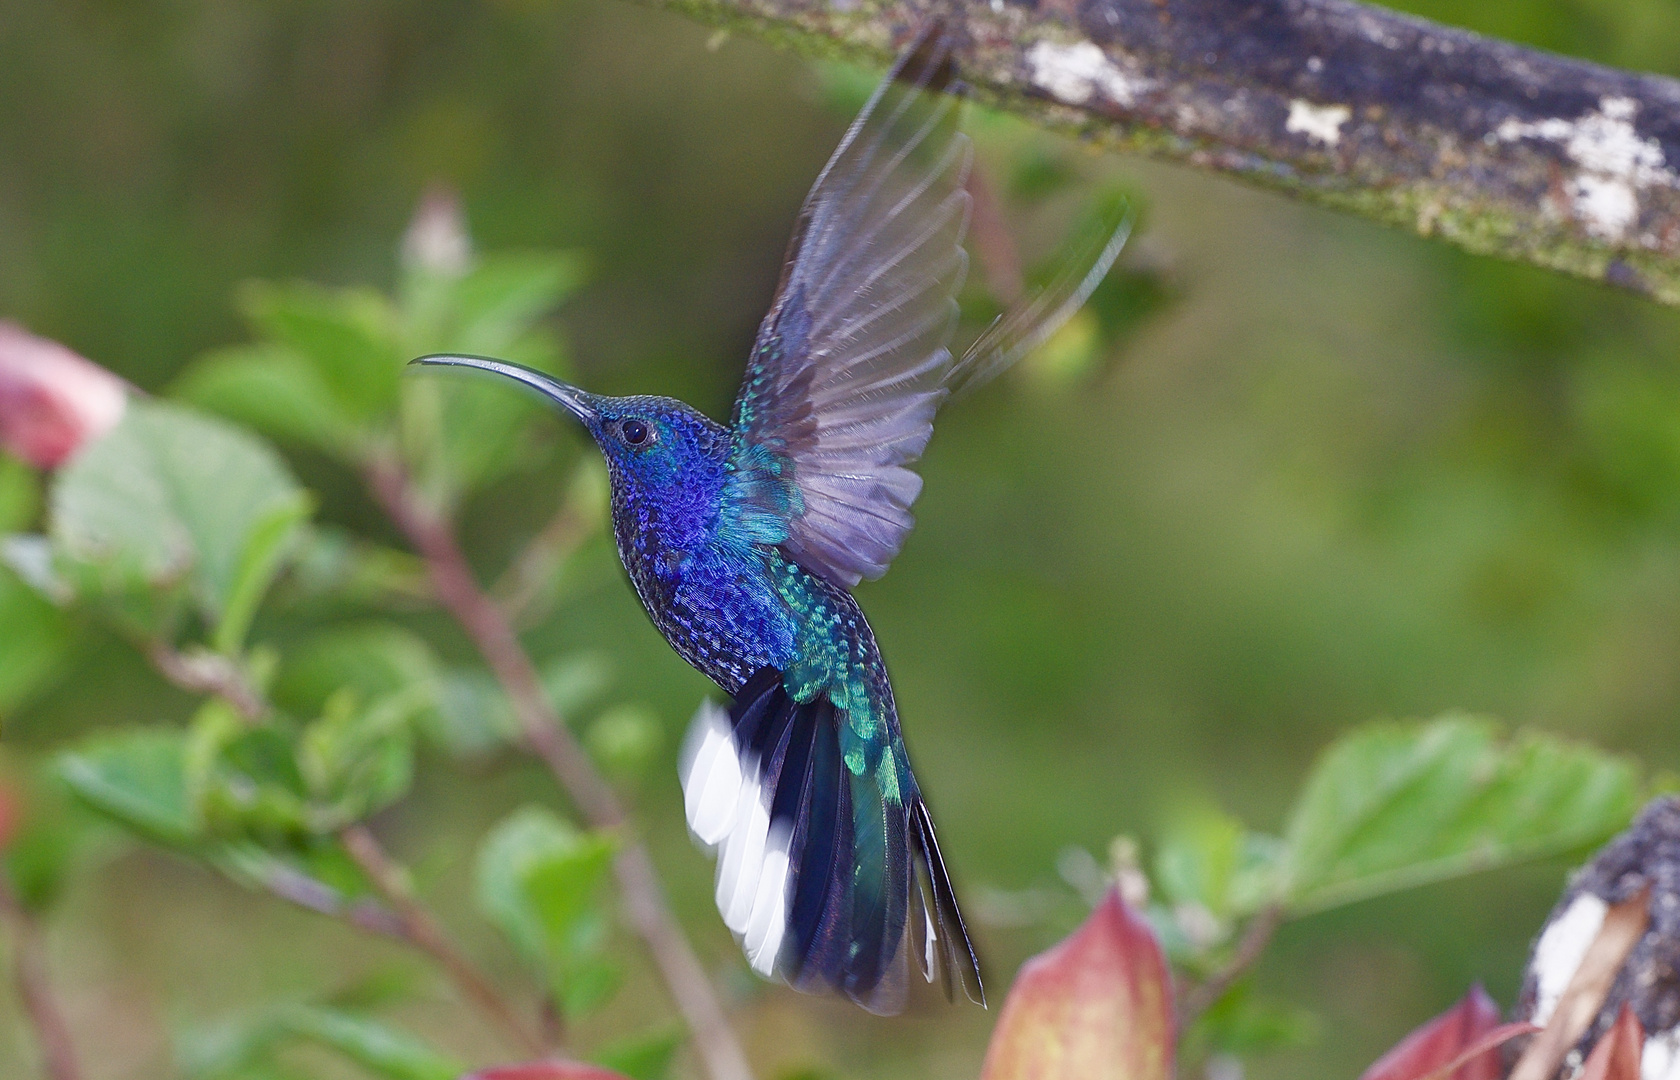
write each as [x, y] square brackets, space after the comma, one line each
[1036, 318]
[851, 362]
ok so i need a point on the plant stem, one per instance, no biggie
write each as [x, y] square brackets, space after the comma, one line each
[29, 971]
[992, 242]
[421, 928]
[204, 672]
[520, 589]
[409, 921]
[1256, 936]
[546, 735]
[306, 892]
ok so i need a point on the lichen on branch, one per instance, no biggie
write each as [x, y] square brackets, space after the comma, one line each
[1499, 149]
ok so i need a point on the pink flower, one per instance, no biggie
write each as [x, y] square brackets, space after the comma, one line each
[546, 1070]
[1098, 1006]
[52, 402]
[437, 239]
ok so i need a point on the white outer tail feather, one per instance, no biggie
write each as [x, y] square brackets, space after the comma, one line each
[729, 813]
[711, 775]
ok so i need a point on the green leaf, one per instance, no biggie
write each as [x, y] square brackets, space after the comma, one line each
[139, 778]
[348, 336]
[30, 557]
[1209, 859]
[275, 390]
[265, 546]
[56, 838]
[322, 869]
[228, 1051]
[357, 760]
[37, 639]
[463, 432]
[538, 879]
[333, 568]
[472, 716]
[625, 740]
[372, 658]
[497, 302]
[384, 1051]
[574, 681]
[1242, 1023]
[169, 495]
[1198, 857]
[643, 1057]
[1395, 805]
[586, 983]
[522, 840]
[20, 495]
[469, 431]
[243, 780]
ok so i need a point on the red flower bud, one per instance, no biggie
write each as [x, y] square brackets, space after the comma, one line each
[546, 1070]
[1466, 1037]
[52, 402]
[1098, 1006]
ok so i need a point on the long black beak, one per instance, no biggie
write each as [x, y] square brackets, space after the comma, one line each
[565, 395]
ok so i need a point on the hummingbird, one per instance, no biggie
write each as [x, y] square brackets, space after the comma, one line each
[744, 541]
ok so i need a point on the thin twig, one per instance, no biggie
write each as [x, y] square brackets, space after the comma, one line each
[29, 971]
[521, 585]
[307, 892]
[547, 736]
[421, 928]
[1196, 999]
[205, 672]
[992, 241]
[410, 921]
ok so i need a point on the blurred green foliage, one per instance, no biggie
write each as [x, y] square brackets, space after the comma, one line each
[170, 530]
[1293, 473]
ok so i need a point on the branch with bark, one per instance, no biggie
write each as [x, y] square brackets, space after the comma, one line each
[1499, 149]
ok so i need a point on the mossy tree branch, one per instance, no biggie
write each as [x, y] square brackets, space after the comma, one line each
[1500, 149]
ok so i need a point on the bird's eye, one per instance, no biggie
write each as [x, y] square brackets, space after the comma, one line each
[634, 432]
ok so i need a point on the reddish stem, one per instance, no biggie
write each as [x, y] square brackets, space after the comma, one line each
[1252, 945]
[545, 734]
[424, 931]
[29, 971]
[409, 921]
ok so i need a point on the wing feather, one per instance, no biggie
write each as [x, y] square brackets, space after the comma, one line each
[853, 359]
[849, 364]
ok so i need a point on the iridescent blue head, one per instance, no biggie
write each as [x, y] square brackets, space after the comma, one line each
[657, 448]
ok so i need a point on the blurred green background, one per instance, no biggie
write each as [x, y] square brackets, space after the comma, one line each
[1342, 473]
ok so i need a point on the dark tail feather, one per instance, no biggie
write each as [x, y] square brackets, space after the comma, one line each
[877, 969]
[946, 944]
[821, 911]
[818, 871]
